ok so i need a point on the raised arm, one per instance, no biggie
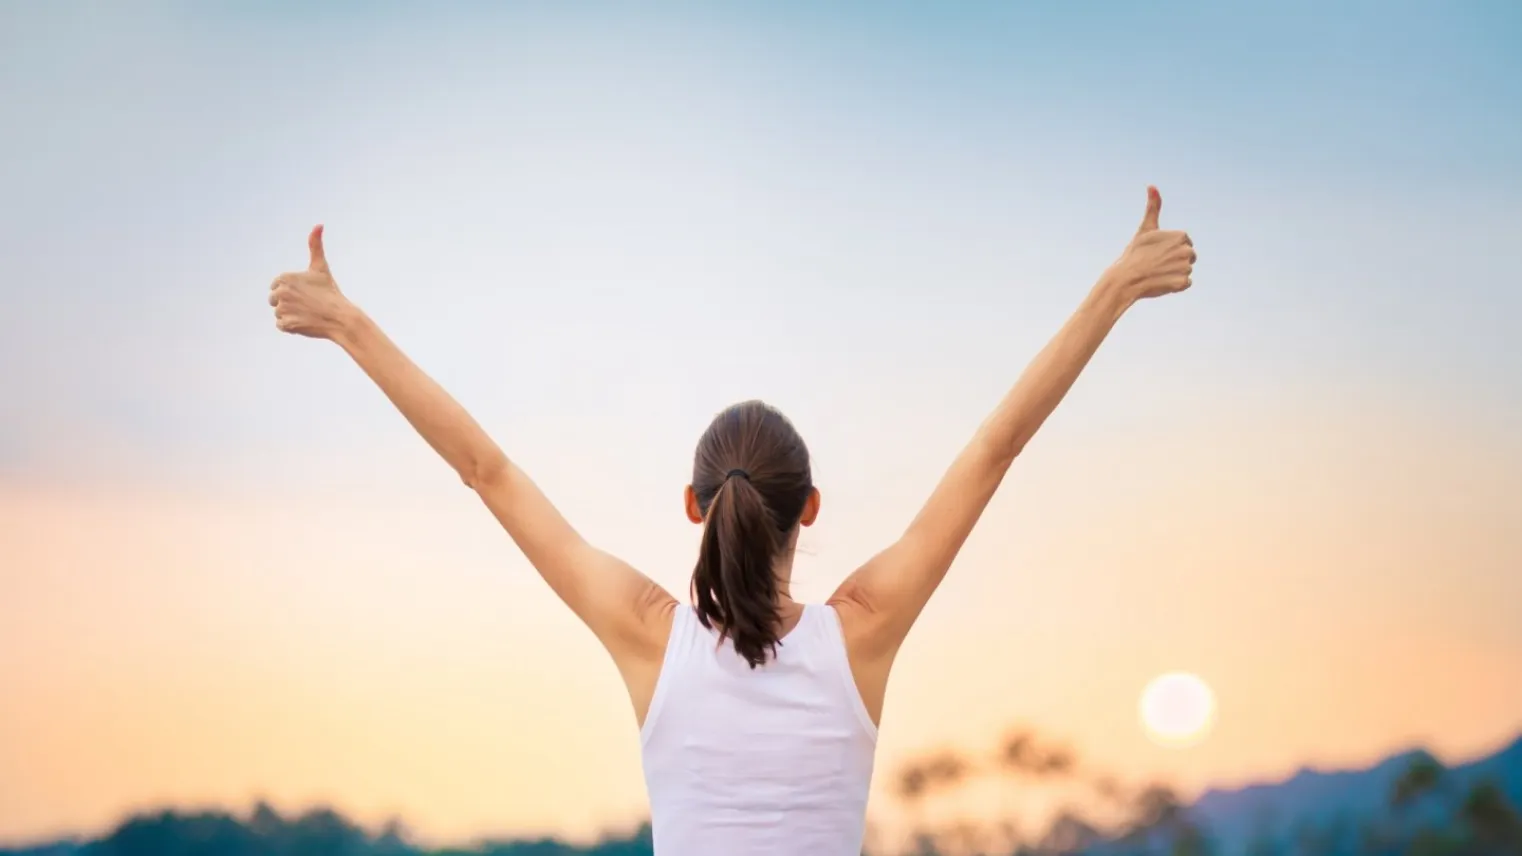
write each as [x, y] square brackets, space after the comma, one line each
[882, 599]
[617, 602]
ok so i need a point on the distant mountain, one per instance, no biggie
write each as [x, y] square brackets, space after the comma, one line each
[1316, 799]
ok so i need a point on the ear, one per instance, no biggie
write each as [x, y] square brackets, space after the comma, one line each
[690, 498]
[810, 509]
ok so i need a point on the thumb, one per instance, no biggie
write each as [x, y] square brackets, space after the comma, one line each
[314, 243]
[1149, 221]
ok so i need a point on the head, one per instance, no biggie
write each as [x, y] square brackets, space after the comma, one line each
[751, 491]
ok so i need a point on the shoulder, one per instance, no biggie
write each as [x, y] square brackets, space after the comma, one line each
[628, 612]
[863, 623]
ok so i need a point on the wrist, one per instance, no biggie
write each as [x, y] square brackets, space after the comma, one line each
[349, 324]
[1113, 294]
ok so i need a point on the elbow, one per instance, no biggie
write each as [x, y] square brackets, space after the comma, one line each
[1008, 458]
[485, 472]
[1000, 456]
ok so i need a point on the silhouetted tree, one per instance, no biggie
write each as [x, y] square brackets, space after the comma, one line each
[1422, 776]
[1021, 754]
[920, 778]
[1492, 819]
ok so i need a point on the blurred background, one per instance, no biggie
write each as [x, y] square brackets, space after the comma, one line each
[244, 610]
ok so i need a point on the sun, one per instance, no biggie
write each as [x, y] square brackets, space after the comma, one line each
[1177, 709]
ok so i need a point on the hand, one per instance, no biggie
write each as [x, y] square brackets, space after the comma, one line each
[308, 302]
[1156, 262]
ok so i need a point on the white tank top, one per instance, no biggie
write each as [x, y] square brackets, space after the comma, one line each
[773, 761]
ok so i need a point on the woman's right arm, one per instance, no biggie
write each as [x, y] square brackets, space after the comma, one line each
[620, 605]
[881, 600]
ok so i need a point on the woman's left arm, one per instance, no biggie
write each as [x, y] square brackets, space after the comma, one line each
[620, 605]
[885, 596]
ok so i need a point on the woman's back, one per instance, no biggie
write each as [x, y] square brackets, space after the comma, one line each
[768, 760]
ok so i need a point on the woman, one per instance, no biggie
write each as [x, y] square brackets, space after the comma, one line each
[758, 715]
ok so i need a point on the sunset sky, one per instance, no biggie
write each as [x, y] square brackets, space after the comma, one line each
[229, 570]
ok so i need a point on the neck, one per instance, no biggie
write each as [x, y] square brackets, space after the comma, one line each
[782, 569]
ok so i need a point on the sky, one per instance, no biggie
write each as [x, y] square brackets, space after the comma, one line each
[229, 571]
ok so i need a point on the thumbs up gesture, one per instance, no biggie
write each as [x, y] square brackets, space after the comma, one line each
[308, 302]
[1157, 261]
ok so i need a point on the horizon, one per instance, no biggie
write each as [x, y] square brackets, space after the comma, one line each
[231, 569]
[585, 838]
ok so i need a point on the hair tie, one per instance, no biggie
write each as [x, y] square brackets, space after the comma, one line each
[737, 472]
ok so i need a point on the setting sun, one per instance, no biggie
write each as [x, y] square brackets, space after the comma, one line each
[1177, 709]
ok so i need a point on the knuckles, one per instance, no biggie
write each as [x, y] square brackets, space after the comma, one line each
[1168, 239]
[286, 299]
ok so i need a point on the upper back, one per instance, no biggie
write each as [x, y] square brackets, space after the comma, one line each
[775, 759]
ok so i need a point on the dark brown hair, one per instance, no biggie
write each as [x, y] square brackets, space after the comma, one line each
[751, 479]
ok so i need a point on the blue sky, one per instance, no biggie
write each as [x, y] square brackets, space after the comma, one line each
[833, 170]
[599, 224]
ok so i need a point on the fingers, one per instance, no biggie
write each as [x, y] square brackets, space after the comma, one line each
[1180, 261]
[280, 292]
[314, 244]
[1166, 282]
[1174, 271]
[1154, 209]
[280, 289]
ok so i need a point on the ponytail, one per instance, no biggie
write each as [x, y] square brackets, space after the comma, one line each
[750, 484]
[734, 583]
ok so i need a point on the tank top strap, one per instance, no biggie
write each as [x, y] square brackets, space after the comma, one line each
[686, 631]
[831, 634]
